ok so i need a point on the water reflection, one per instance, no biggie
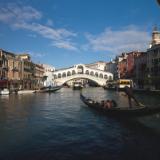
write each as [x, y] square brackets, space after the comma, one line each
[60, 126]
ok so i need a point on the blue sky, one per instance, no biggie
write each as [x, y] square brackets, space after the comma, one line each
[67, 32]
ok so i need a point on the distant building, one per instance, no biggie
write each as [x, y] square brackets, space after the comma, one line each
[38, 75]
[100, 65]
[111, 67]
[130, 63]
[121, 66]
[48, 75]
[153, 66]
[155, 37]
[10, 70]
[27, 72]
[126, 65]
[140, 70]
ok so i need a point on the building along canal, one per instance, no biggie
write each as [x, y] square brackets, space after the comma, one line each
[59, 126]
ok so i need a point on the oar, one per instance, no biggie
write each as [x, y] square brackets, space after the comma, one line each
[140, 104]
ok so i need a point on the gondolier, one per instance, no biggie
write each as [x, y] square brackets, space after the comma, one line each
[119, 111]
[129, 92]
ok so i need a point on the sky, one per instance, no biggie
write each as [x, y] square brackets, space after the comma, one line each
[63, 33]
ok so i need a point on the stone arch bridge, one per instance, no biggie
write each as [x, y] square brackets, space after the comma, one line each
[81, 71]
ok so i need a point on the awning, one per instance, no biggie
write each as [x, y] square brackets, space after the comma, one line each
[3, 83]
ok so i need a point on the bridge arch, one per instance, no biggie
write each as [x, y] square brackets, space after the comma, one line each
[87, 72]
[73, 72]
[98, 80]
[96, 74]
[59, 75]
[81, 71]
[64, 74]
[82, 77]
[101, 75]
[68, 73]
[92, 73]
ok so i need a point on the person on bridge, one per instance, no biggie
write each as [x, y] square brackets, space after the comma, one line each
[129, 93]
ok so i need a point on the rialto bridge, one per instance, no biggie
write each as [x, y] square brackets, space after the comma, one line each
[80, 71]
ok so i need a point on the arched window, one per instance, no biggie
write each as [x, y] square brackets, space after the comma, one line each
[59, 75]
[68, 73]
[96, 74]
[80, 69]
[73, 72]
[110, 77]
[101, 75]
[87, 72]
[64, 74]
[55, 76]
[92, 73]
[105, 76]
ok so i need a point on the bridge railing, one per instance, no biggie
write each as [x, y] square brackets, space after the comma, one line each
[99, 76]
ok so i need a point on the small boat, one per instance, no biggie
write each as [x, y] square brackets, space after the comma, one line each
[50, 89]
[25, 91]
[121, 111]
[77, 86]
[5, 91]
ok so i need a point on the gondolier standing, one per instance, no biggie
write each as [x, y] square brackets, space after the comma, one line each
[129, 92]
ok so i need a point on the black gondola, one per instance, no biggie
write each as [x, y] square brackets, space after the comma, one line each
[50, 89]
[121, 111]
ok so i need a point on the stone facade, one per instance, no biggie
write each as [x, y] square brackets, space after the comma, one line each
[10, 69]
[100, 65]
[141, 78]
[48, 75]
[153, 66]
[19, 72]
[38, 76]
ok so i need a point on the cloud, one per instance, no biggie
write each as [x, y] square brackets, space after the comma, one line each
[13, 13]
[49, 22]
[39, 55]
[28, 18]
[128, 38]
[66, 45]
[45, 31]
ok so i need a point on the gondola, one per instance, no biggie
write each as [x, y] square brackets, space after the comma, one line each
[50, 89]
[135, 111]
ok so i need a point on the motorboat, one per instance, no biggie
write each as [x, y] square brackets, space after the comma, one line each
[4, 91]
[77, 86]
[25, 91]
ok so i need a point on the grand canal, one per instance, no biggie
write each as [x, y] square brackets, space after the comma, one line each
[59, 126]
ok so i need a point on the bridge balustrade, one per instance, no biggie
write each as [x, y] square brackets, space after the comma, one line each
[64, 75]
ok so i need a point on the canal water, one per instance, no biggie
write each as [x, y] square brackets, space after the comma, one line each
[59, 126]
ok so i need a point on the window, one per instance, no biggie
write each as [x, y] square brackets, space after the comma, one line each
[96, 74]
[73, 72]
[59, 75]
[64, 74]
[101, 75]
[105, 77]
[68, 73]
[87, 72]
[91, 73]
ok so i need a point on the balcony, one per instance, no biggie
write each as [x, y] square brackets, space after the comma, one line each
[15, 69]
[5, 68]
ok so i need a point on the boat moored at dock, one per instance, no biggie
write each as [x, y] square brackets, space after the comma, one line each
[4, 91]
[25, 91]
